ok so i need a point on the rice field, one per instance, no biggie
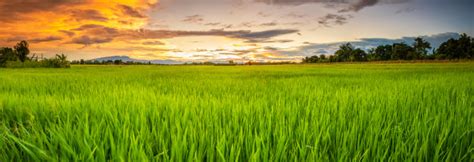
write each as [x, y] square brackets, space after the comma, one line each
[337, 112]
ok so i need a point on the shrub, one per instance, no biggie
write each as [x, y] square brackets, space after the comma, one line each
[26, 64]
[60, 61]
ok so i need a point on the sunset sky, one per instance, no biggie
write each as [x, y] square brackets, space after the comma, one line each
[222, 30]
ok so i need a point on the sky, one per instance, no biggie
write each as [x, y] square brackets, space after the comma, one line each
[223, 30]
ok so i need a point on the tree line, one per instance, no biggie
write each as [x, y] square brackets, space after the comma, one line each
[108, 62]
[452, 49]
[18, 57]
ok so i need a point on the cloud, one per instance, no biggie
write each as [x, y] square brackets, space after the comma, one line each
[68, 33]
[86, 40]
[239, 34]
[79, 15]
[153, 43]
[435, 39]
[273, 23]
[296, 15]
[268, 48]
[193, 19]
[333, 19]
[263, 14]
[346, 5]
[292, 2]
[267, 34]
[129, 11]
[243, 51]
[357, 6]
[141, 48]
[268, 41]
[12, 10]
[309, 49]
[34, 40]
[46, 39]
[94, 34]
[212, 24]
[94, 29]
[405, 10]
[321, 51]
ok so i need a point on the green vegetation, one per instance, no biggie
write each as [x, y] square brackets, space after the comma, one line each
[452, 49]
[337, 112]
[18, 58]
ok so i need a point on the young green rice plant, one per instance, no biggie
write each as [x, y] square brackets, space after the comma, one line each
[339, 112]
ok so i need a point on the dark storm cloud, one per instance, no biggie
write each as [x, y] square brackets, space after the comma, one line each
[79, 15]
[130, 11]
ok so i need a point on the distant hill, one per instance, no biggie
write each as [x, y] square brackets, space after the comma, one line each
[126, 59]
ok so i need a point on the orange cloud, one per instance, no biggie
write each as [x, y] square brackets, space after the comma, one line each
[35, 19]
[103, 26]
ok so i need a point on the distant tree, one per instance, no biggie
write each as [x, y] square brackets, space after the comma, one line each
[322, 58]
[358, 55]
[384, 52]
[447, 49]
[402, 51]
[344, 52]
[62, 57]
[471, 54]
[371, 55]
[118, 62]
[464, 47]
[7, 54]
[312, 59]
[421, 48]
[22, 50]
[456, 48]
[332, 58]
